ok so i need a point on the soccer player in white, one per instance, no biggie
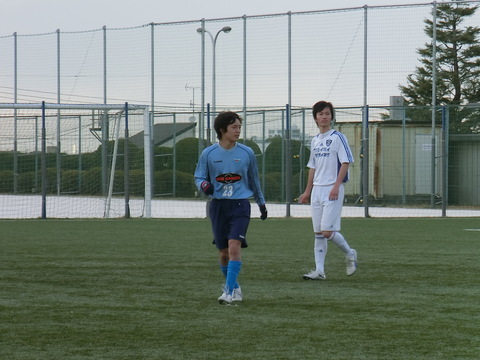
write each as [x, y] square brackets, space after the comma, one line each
[330, 157]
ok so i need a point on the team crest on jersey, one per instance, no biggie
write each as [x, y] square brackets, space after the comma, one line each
[329, 142]
[228, 178]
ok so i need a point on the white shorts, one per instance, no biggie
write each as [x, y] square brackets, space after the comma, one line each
[326, 214]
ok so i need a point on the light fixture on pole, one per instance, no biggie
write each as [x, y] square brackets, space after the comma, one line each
[192, 103]
[225, 29]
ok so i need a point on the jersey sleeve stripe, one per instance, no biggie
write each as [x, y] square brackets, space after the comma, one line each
[345, 146]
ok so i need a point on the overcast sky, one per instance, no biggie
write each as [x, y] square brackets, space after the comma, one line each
[45, 16]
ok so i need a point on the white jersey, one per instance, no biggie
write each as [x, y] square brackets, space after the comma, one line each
[327, 153]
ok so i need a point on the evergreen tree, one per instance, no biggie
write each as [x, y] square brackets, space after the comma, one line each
[457, 70]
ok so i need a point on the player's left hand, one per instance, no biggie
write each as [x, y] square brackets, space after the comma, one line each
[263, 211]
[333, 196]
[304, 198]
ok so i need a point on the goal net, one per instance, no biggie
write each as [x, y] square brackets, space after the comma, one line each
[73, 161]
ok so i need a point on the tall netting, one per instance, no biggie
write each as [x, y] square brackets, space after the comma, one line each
[82, 67]
[7, 66]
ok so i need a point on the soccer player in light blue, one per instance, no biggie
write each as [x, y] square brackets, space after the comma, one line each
[330, 157]
[227, 172]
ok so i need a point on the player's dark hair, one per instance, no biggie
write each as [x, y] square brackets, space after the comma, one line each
[320, 106]
[223, 120]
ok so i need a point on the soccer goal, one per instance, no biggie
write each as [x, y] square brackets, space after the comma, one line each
[63, 161]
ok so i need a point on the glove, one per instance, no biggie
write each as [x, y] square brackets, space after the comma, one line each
[207, 188]
[263, 211]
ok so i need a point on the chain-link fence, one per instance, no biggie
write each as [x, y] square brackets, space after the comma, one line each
[107, 160]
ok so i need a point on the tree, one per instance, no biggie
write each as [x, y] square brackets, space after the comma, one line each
[457, 67]
[275, 153]
[252, 144]
[187, 154]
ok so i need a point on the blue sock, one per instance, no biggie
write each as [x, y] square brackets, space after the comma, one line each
[224, 269]
[232, 275]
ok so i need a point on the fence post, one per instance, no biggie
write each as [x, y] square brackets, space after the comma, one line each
[126, 166]
[201, 120]
[444, 155]
[59, 143]
[104, 124]
[288, 152]
[434, 101]
[245, 78]
[148, 160]
[365, 160]
[44, 164]
[365, 131]
[15, 126]
[288, 164]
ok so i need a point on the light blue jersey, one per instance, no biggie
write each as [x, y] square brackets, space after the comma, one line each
[233, 172]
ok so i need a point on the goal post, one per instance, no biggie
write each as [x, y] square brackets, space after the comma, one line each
[58, 161]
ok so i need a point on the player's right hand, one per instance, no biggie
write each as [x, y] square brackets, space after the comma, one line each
[207, 188]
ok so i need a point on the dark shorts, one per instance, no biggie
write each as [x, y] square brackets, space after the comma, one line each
[230, 219]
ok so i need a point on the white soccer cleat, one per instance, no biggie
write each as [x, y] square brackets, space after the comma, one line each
[314, 275]
[225, 299]
[352, 263]
[237, 294]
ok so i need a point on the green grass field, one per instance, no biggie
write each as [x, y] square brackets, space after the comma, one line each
[148, 288]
